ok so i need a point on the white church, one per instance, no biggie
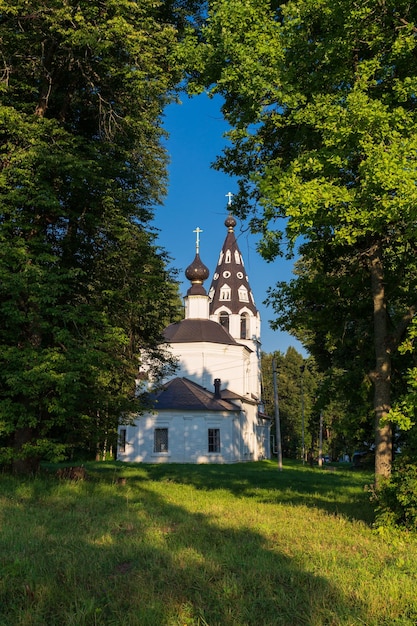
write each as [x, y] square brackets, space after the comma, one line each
[210, 411]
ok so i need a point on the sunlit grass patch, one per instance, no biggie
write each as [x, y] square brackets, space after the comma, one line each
[173, 545]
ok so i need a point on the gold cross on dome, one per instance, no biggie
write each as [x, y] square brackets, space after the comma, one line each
[197, 243]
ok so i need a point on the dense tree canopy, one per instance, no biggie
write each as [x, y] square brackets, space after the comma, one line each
[305, 393]
[296, 386]
[84, 290]
[321, 97]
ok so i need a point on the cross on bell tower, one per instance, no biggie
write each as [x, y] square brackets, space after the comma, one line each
[229, 195]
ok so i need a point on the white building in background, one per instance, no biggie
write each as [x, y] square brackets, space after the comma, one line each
[210, 412]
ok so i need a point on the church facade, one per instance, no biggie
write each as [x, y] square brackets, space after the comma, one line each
[210, 411]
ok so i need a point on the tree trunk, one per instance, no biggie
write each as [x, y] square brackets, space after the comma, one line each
[381, 376]
[23, 464]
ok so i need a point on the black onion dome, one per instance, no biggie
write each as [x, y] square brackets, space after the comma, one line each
[230, 222]
[197, 272]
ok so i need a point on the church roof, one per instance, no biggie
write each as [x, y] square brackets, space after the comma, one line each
[184, 395]
[230, 285]
[193, 330]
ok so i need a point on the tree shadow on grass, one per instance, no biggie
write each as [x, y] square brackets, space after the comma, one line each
[99, 554]
[339, 492]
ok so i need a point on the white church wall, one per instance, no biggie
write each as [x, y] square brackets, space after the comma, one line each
[242, 437]
[254, 370]
[187, 438]
[203, 362]
[197, 307]
[263, 443]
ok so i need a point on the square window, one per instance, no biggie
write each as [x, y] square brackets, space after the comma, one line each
[214, 439]
[160, 443]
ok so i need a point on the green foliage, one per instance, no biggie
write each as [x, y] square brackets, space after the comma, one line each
[321, 100]
[337, 395]
[297, 382]
[396, 500]
[404, 411]
[84, 290]
[329, 309]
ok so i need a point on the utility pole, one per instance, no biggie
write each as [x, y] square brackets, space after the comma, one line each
[277, 421]
[321, 440]
[303, 447]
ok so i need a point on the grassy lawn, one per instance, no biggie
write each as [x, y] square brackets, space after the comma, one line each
[200, 545]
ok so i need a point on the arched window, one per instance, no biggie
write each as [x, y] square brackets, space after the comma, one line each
[224, 319]
[244, 326]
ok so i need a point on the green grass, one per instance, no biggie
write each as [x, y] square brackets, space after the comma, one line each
[183, 545]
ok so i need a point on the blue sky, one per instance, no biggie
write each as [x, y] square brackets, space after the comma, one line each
[197, 197]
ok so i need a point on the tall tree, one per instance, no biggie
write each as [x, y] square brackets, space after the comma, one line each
[328, 308]
[297, 383]
[322, 100]
[84, 289]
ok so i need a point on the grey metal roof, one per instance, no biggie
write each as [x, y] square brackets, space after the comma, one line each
[193, 330]
[184, 395]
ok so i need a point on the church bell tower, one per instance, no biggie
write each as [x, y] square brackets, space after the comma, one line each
[232, 303]
[231, 299]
